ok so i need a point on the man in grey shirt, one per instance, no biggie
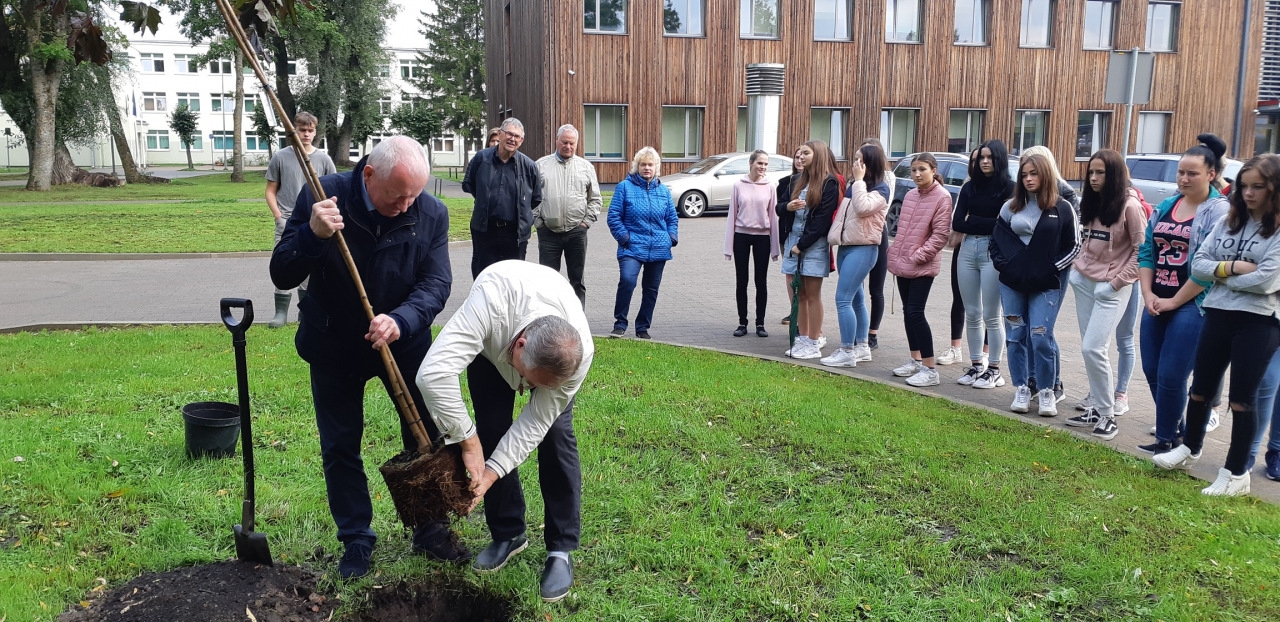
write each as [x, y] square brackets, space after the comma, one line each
[285, 180]
[570, 203]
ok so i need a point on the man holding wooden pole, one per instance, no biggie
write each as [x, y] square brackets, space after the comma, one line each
[398, 238]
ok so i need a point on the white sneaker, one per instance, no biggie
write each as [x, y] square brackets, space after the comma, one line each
[1179, 457]
[911, 368]
[1048, 405]
[1214, 421]
[840, 358]
[970, 375]
[800, 340]
[1120, 406]
[862, 353]
[1021, 400]
[822, 341]
[924, 378]
[809, 350]
[951, 356]
[1086, 403]
[990, 379]
[1228, 485]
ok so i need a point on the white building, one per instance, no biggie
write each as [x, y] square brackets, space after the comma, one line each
[164, 76]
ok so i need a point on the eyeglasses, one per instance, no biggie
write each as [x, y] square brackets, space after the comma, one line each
[513, 135]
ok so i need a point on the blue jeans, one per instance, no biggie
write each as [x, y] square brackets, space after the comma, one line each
[1265, 407]
[855, 263]
[629, 271]
[1029, 319]
[1168, 355]
[1124, 340]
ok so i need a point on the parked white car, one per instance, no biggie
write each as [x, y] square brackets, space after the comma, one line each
[705, 186]
[1156, 174]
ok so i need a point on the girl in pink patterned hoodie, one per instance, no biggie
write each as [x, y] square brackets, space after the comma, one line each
[915, 257]
[751, 230]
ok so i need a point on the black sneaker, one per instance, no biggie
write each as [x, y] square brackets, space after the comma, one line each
[741, 331]
[1031, 384]
[440, 543]
[356, 560]
[1157, 447]
[642, 334]
[1106, 429]
[1090, 418]
[618, 332]
[1059, 393]
[761, 332]
[557, 578]
[872, 342]
[496, 555]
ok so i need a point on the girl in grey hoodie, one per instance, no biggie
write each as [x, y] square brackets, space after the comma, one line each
[1241, 256]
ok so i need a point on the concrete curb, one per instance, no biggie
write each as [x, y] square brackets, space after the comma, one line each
[149, 256]
[52, 326]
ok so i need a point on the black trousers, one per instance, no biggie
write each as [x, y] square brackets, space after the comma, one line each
[573, 245]
[915, 294]
[499, 243]
[746, 248]
[338, 392]
[1245, 341]
[559, 471]
[957, 303]
[879, 272]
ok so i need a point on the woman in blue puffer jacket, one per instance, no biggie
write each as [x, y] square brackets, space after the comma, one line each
[642, 218]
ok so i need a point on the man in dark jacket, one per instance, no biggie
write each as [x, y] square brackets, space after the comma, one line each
[398, 237]
[507, 187]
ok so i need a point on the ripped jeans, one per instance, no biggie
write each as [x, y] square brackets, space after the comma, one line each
[1028, 321]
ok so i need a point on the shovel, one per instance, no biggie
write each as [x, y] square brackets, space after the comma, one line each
[251, 546]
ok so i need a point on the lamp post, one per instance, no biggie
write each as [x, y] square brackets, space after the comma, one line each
[8, 158]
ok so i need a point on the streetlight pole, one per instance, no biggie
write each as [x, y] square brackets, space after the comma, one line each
[8, 157]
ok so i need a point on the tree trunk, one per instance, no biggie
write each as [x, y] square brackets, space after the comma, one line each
[64, 170]
[237, 168]
[190, 165]
[45, 79]
[344, 139]
[283, 92]
[131, 175]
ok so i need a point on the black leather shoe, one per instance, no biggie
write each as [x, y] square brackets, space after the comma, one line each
[642, 334]
[440, 543]
[356, 560]
[618, 332]
[498, 553]
[742, 330]
[557, 578]
[760, 331]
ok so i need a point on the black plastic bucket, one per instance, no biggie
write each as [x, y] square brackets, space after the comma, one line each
[212, 429]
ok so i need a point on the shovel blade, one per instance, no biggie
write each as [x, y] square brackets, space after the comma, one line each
[251, 546]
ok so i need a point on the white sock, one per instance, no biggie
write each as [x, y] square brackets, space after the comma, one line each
[561, 554]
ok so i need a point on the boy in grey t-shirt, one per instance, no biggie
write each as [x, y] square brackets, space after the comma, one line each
[285, 180]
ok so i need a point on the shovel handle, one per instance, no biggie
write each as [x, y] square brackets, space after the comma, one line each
[237, 328]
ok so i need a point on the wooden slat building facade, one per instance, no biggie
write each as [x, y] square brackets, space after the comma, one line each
[543, 68]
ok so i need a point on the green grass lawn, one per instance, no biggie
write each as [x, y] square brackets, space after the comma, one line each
[715, 488]
[213, 216]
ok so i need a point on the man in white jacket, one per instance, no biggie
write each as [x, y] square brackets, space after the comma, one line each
[521, 327]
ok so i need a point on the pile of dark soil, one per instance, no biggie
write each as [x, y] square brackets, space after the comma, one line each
[227, 591]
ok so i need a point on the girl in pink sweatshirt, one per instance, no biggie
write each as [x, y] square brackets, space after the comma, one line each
[751, 230]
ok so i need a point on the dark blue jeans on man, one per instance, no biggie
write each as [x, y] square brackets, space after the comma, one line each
[1168, 355]
[629, 272]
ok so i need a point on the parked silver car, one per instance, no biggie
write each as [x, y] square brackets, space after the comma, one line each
[705, 186]
[1156, 174]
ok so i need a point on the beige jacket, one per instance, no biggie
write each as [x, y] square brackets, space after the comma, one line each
[505, 298]
[860, 218]
[570, 193]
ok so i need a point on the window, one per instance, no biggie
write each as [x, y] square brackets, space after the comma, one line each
[1028, 129]
[250, 103]
[971, 21]
[681, 133]
[604, 16]
[741, 145]
[384, 70]
[1091, 133]
[682, 17]
[197, 143]
[155, 102]
[902, 21]
[220, 66]
[1099, 24]
[759, 18]
[411, 69]
[829, 125]
[251, 143]
[1162, 26]
[604, 134]
[1153, 170]
[157, 140]
[965, 131]
[1152, 130]
[182, 63]
[191, 100]
[222, 140]
[1037, 23]
[898, 131]
[953, 173]
[152, 63]
[442, 144]
[291, 67]
[831, 20]
[224, 102]
[384, 106]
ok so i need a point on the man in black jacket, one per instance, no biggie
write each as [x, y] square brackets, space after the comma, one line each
[398, 237]
[507, 186]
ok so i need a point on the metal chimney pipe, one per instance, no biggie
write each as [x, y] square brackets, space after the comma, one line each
[765, 83]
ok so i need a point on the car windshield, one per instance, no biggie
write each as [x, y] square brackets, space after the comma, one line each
[703, 166]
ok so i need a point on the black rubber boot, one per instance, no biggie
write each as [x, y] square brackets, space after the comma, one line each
[282, 310]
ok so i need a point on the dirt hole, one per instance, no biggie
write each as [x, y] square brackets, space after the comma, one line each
[443, 600]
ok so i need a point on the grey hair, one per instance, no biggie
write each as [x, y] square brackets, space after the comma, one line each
[567, 127]
[513, 122]
[553, 345]
[398, 151]
[646, 154]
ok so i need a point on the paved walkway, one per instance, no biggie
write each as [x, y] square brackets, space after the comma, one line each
[695, 308]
